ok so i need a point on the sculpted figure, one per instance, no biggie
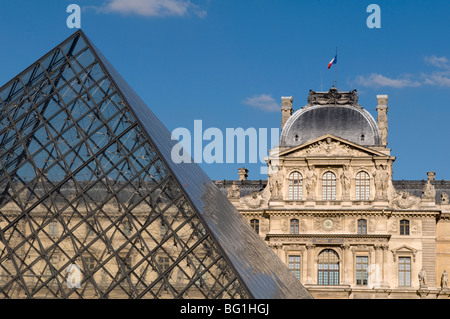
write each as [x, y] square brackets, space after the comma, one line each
[311, 181]
[422, 278]
[444, 280]
[428, 191]
[275, 186]
[381, 180]
[233, 191]
[346, 178]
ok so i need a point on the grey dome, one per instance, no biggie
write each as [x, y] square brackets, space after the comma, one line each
[325, 115]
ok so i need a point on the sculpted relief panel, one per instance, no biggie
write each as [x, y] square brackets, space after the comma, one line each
[405, 200]
[328, 148]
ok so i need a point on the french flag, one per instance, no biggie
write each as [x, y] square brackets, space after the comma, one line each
[334, 61]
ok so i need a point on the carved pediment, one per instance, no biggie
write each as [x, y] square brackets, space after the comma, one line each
[330, 146]
[404, 249]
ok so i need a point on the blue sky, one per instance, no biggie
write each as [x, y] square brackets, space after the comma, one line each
[228, 62]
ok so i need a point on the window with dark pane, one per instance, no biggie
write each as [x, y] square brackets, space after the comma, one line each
[362, 226]
[404, 227]
[255, 225]
[294, 226]
[294, 265]
[362, 274]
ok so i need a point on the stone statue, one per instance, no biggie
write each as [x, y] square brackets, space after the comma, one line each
[310, 182]
[346, 178]
[233, 191]
[428, 191]
[444, 280]
[381, 180]
[275, 186]
[422, 278]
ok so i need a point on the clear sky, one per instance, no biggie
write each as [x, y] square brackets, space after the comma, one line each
[228, 62]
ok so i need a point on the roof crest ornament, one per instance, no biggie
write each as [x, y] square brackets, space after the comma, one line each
[333, 97]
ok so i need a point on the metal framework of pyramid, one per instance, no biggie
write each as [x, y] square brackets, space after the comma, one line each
[91, 205]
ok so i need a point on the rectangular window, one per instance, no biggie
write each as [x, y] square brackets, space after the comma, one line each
[362, 274]
[89, 262]
[164, 263]
[404, 227]
[404, 271]
[294, 265]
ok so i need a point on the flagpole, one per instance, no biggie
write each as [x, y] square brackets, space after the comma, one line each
[335, 75]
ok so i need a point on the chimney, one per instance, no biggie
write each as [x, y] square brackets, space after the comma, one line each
[243, 173]
[286, 109]
[382, 119]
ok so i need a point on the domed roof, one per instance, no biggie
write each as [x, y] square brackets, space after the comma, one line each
[332, 112]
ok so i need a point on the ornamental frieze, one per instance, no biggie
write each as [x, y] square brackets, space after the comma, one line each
[328, 147]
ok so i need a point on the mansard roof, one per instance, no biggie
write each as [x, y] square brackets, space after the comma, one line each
[333, 112]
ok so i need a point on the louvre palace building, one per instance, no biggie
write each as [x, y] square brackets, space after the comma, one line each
[332, 213]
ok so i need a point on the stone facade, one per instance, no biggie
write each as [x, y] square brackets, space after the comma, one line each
[331, 211]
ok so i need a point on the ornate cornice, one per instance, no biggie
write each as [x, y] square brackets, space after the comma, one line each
[385, 237]
[344, 212]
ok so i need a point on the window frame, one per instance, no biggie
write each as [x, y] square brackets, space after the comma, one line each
[329, 186]
[327, 276]
[406, 272]
[362, 186]
[362, 226]
[254, 223]
[295, 186]
[294, 265]
[294, 226]
[363, 271]
[405, 227]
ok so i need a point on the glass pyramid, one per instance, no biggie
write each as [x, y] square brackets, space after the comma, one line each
[91, 205]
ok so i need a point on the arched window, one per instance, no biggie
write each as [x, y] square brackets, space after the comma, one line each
[328, 268]
[255, 225]
[295, 186]
[404, 227]
[294, 226]
[362, 226]
[329, 186]
[362, 186]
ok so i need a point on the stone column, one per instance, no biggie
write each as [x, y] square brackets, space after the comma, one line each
[286, 109]
[385, 268]
[378, 265]
[310, 248]
[347, 265]
[382, 119]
